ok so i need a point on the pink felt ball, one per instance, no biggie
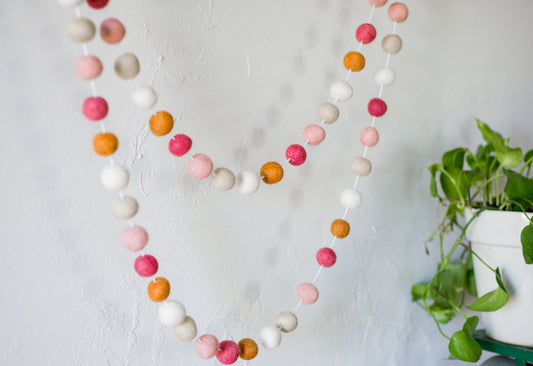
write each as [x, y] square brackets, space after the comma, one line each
[314, 134]
[307, 293]
[369, 136]
[146, 265]
[95, 108]
[89, 67]
[326, 257]
[134, 238]
[206, 346]
[179, 145]
[365, 33]
[228, 352]
[112, 31]
[97, 4]
[398, 12]
[377, 3]
[377, 107]
[296, 154]
[199, 166]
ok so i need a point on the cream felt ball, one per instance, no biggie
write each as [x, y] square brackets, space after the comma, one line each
[186, 331]
[351, 198]
[124, 208]
[172, 313]
[247, 182]
[361, 166]
[286, 321]
[134, 238]
[392, 43]
[115, 177]
[199, 166]
[341, 90]
[127, 66]
[206, 346]
[223, 179]
[144, 97]
[81, 30]
[329, 113]
[270, 337]
[70, 3]
[89, 67]
[384, 76]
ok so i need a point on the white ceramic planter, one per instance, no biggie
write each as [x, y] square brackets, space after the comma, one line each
[495, 237]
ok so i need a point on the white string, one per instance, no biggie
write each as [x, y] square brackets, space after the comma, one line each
[371, 13]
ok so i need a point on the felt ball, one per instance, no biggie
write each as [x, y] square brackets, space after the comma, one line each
[270, 337]
[369, 136]
[159, 289]
[115, 177]
[89, 67]
[340, 228]
[124, 208]
[70, 3]
[206, 346]
[351, 198]
[199, 166]
[361, 166]
[326, 257]
[127, 66]
[384, 76]
[186, 331]
[398, 12]
[354, 61]
[134, 238]
[329, 113]
[365, 33]
[97, 4]
[112, 31]
[248, 349]
[247, 182]
[377, 3]
[228, 352]
[392, 44]
[146, 265]
[313, 134]
[81, 30]
[105, 143]
[95, 108]
[307, 293]
[179, 145]
[296, 154]
[161, 123]
[341, 90]
[223, 179]
[286, 321]
[271, 172]
[377, 107]
[172, 313]
[144, 97]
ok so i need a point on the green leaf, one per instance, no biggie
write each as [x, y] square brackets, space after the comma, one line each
[488, 134]
[433, 183]
[462, 346]
[471, 281]
[448, 283]
[470, 325]
[442, 314]
[518, 188]
[454, 184]
[526, 237]
[493, 300]
[454, 158]
[528, 157]
[508, 157]
[418, 290]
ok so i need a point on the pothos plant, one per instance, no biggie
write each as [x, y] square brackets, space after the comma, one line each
[495, 177]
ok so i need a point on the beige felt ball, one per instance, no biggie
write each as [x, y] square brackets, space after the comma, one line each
[127, 66]
[124, 208]
[81, 30]
[361, 166]
[392, 43]
[328, 113]
[286, 321]
[186, 331]
[223, 179]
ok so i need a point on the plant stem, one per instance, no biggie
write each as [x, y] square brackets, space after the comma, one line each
[433, 316]
[482, 261]
[528, 165]
[460, 238]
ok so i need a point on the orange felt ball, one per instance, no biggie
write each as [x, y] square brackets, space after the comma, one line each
[340, 228]
[105, 144]
[247, 349]
[354, 61]
[161, 123]
[159, 289]
[271, 172]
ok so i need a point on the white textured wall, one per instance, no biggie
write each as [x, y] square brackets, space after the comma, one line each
[233, 71]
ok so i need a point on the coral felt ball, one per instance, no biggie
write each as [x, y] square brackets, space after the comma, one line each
[286, 321]
[313, 134]
[326, 257]
[146, 265]
[369, 136]
[223, 179]
[89, 67]
[112, 31]
[247, 182]
[127, 66]
[296, 154]
[340, 228]
[95, 108]
[365, 33]
[199, 166]
[206, 346]
[398, 12]
[392, 44]
[172, 313]
[124, 208]
[307, 293]
[270, 337]
[186, 331]
[158, 289]
[81, 30]
[97, 4]
[134, 238]
[228, 352]
[354, 61]
[179, 145]
[377, 3]
[377, 107]
[161, 123]
[144, 97]
[105, 143]
[248, 349]
[271, 172]
[361, 166]
[115, 177]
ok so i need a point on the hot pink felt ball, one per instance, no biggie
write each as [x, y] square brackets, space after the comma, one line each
[89, 67]
[296, 154]
[398, 12]
[112, 31]
[134, 238]
[307, 293]
[199, 166]
[228, 352]
[369, 136]
[146, 265]
[179, 145]
[97, 4]
[377, 107]
[378, 3]
[326, 257]
[365, 33]
[95, 108]
[314, 134]
[206, 346]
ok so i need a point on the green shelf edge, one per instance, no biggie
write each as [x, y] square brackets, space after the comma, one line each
[517, 352]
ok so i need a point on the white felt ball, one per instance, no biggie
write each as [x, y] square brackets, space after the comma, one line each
[124, 208]
[186, 331]
[385, 77]
[270, 337]
[223, 179]
[351, 198]
[328, 113]
[81, 30]
[115, 177]
[286, 321]
[247, 182]
[172, 313]
[361, 166]
[341, 90]
[144, 97]
[69, 3]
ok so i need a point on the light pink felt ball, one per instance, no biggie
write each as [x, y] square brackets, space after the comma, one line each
[206, 346]
[369, 136]
[228, 352]
[199, 166]
[134, 238]
[95, 108]
[179, 145]
[326, 257]
[146, 265]
[296, 154]
[307, 293]
[377, 107]
[365, 33]
[89, 67]
[398, 12]
[112, 31]
[314, 134]
[377, 3]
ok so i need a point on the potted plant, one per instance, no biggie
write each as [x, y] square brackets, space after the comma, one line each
[494, 183]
